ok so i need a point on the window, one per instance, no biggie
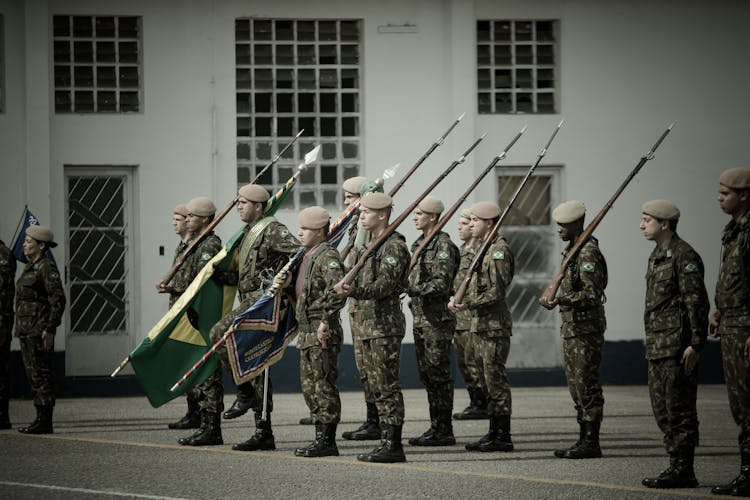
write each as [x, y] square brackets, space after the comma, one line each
[517, 66]
[97, 64]
[293, 75]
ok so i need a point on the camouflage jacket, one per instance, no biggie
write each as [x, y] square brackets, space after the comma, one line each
[198, 258]
[676, 313]
[733, 285]
[40, 299]
[173, 293]
[431, 281]
[266, 255]
[378, 286]
[317, 302]
[581, 294]
[487, 292]
[467, 252]
[7, 286]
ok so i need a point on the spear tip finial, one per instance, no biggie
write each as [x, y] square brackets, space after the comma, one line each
[671, 125]
[483, 136]
[524, 128]
[561, 122]
[461, 117]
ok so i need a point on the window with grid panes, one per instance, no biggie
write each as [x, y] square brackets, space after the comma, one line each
[97, 63]
[294, 75]
[517, 66]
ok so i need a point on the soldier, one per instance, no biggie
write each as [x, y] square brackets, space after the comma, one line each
[7, 291]
[320, 334]
[676, 324]
[731, 318]
[266, 247]
[377, 288]
[430, 285]
[200, 213]
[581, 299]
[40, 302]
[469, 367]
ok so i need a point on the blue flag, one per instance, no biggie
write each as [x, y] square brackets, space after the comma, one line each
[28, 219]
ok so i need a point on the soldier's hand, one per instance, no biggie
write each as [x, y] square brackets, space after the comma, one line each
[162, 288]
[456, 308]
[690, 359]
[324, 333]
[713, 323]
[342, 289]
[48, 341]
[546, 303]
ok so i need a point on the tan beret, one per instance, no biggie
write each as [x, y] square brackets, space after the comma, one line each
[569, 211]
[313, 218]
[201, 206]
[431, 205]
[376, 201]
[180, 209]
[661, 209]
[736, 178]
[254, 193]
[42, 233]
[354, 184]
[485, 210]
[466, 213]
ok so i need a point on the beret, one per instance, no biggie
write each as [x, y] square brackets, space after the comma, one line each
[466, 213]
[354, 184]
[376, 201]
[313, 218]
[431, 205]
[371, 187]
[661, 209]
[736, 178]
[569, 211]
[254, 193]
[181, 209]
[201, 206]
[485, 210]
[42, 233]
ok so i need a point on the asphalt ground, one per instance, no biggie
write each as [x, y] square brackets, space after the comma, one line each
[121, 448]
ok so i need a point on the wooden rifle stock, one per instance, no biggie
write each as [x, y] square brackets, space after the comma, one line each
[551, 291]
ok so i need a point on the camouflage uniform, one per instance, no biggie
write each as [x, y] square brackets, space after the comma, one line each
[675, 317]
[40, 302]
[491, 324]
[430, 284]
[316, 303]
[7, 291]
[177, 286]
[733, 302]
[377, 288]
[581, 298]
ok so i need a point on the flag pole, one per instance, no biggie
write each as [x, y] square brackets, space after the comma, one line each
[264, 415]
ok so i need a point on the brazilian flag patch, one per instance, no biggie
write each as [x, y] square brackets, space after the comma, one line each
[498, 255]
[333, 264]
[389, 259]
[588, 267]
[442, 255]
[690, 267]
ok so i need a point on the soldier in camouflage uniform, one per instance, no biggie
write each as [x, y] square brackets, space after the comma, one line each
[40, 302]
[266, 247]
[470, 368]
[201, 212]
[676, 324]
[7, 291]
[731, 319]
[581, 299]
[377, 288]
[491, 326]
[319, 332]
[430, 286]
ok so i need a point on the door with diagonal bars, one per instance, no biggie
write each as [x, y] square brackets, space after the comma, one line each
[98, 266]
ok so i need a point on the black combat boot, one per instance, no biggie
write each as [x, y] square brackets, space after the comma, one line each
[416, 441]
[209, 434]
[440, 434]
[245, 399]
[192, 419]
[500, 432]
[679, 474]
[306, 421]
[4, 415]
[560, 453]
[390, 450]
[477, 409]
[370, 429]
[740, 485]
[324, 444]
[262, 439]
[589, 447]
[43, 422]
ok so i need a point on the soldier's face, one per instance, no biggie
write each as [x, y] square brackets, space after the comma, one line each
[178, 224]
[249, 211]
[423, 220]
[310, 237]
[464, 230]
[568, 232]
[195, 223]
[479, 227]
[371, 219]
[32, 248]
[350, 198]
[652, 228]
[733, 202]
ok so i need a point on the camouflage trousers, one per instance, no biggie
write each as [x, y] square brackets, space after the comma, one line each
[737, 377]
[470, 370]
[381, 358]
[582, 356]
[5, 338]
[433, 348]
[318, 374]
[673, 395]
[491, 353]
[40, 369]
[355, 322]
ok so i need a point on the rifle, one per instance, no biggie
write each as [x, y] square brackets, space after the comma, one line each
[444, 220]
[393, 225]
[218, 218]
[549, 294]
[476, 262]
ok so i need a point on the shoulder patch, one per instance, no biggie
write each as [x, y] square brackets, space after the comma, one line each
[442, 255]
[690, 267]
[283, 231]
[588, 267]
[390, 259]
[498, 255]
[206, 256]
[332, 264]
